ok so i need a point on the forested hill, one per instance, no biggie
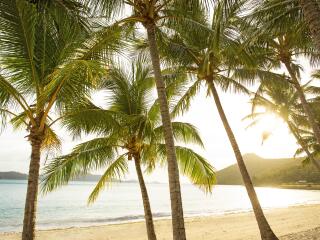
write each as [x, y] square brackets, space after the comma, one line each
[21, 176]
[13, 175]
[270, 171]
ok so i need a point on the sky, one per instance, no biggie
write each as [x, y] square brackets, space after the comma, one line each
[15, 149]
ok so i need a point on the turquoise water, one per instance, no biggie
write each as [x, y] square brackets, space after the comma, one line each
[68, 207]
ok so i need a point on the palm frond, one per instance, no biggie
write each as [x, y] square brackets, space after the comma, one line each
[18, 20]
[194, 166]
[183, 133]
[88, 156]
[230, 84]
[9, 94]
[115, 171]
[51, 142]
[184, 103]
[87, 118]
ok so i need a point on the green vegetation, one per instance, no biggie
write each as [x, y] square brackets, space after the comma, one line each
[268, 172]
[48, 60]
[128, 130]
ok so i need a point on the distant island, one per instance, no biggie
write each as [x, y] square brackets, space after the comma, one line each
[13, 176]
[22, 176]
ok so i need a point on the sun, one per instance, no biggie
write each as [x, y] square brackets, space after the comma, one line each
[271, 137]
[269, 124]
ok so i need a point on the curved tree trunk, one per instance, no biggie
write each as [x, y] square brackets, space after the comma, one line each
[308, 111]
[146, 203]
[264, 227]
[173, 171]
[314, 161]
[30, 210]
[303, 145]
[311, 13]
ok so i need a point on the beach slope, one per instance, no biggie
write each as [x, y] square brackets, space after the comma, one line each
[293, 223]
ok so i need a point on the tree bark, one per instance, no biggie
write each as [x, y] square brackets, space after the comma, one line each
[264, 227]
[308, 111]
[30, 209]
[173, 171]
[304, 147]
[311, 13]
[146, 203]
[315, 162]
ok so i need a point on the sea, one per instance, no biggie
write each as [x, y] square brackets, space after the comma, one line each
[67, 206]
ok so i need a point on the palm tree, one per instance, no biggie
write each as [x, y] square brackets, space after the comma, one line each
[210, 52]
[46, 62]
[307, 11]
[281, 99]
[151, 15]
[278, 26]
[304, 11]
[312, 147]
[307, 135]
[311, 12]
[128, 129]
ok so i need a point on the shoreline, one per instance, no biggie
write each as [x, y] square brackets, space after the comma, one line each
[302, 187]
[284, 221]
[283, 186]
[160, 217]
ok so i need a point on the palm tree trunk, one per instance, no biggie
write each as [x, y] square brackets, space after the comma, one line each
[311, 12]
[264, 227]
[173, 171]
[30, 209]
[315, 162]
[303, 145]
[308, 111]
[146, 203]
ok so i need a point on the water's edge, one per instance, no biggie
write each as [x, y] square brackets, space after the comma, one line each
[67, 207]
[157, 217]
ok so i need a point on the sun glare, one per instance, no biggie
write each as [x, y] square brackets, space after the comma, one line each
[270, 124]
[272, 137]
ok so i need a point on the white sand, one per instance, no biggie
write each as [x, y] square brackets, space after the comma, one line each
[293, 223]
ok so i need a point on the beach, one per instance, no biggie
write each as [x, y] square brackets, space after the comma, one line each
[292, 223]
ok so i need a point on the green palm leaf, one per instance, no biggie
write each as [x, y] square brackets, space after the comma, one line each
[194, 166]
[115, 171]
[90, 155]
